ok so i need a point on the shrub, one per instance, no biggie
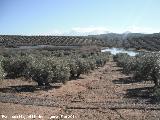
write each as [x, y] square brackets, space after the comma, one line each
[48, 70]
[2, 73]
[74, 67]
[58, 69]
[37, 71]
[78, 66]
[144, 67]
[14, 66]
[129, 65]
[92, 63]
[156, 94]
[83, 66]
[121, 59]
[100, 59]
[156, 72]
[119, 56]
[51, 67]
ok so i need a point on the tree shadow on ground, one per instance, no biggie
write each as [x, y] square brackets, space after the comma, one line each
[140, 94]
[27, 88]
[126, 80]
[143, 93]
[115, 66]
[117, 70]
[75, 78]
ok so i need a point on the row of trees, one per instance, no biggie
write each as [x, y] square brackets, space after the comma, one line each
[126, 40]
[145, 66]
[46, 67]
[17, 40]
[130, 40]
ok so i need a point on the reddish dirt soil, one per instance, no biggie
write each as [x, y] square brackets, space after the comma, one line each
[104, 84]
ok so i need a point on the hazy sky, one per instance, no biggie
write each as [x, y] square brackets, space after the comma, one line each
[71, 17]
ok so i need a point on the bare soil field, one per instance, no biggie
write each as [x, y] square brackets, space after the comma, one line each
[103, 94]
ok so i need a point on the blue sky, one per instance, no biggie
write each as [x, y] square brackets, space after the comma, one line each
[71, 17]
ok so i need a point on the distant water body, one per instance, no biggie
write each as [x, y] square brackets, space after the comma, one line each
[114, 51]
[45, 46]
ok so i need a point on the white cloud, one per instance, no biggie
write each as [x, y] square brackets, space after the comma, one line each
[53, 32]
[136, 29]
[77, 31]
[89, 30]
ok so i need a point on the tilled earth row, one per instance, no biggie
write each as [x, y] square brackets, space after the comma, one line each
[103, 94]
[125, 104]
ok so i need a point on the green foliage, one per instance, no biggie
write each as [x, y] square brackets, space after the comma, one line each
[48, 70]
[156, 94]
[74, 67]
[14, 66]
[131, 40]
[121, 59]
[59, 69]
[83, 65]
[92, 63]
[144, 67]
[100, 59]
[129, 65]
[156, 72]
[2, 73]
[79, 66]
[51, 67]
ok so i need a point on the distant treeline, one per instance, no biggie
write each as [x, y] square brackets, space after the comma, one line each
[130, 40]
[18, 40]
[126, 40]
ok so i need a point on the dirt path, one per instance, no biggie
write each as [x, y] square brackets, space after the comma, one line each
[85, 98]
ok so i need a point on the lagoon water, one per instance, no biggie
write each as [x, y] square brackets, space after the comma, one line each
[44, 46]
[114, 51]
